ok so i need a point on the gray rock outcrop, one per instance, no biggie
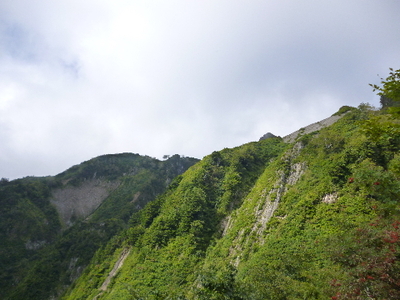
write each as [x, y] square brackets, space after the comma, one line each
[290, 138]
[268, 135]
[79, 202]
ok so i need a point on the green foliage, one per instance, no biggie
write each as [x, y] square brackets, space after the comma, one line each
[113, 166]
[394, 166]
[390, 86]
[370, 257]
[374, 182]
[170, 235]
[390, 92]
[27, 223]
[344, 109]
[317, 219]
[216, 281]
[268, 221]
[38, 259]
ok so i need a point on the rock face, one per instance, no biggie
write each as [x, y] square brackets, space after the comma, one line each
[117, 266]
[267, 136]
[290, 138]
[79, 202]
[267, 204]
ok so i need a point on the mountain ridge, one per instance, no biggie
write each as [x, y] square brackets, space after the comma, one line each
[53, 225]
[273, 219]
[260, 221]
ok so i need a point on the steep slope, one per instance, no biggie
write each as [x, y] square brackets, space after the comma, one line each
[290, 138]
[28, 222]
[268, 220]
[180, 223]
[51, 227]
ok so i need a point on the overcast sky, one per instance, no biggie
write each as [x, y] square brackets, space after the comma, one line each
[80, 79]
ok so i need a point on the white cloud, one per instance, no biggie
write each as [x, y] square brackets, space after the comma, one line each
[80, 79]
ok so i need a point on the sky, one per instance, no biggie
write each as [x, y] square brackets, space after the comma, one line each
[79, 79]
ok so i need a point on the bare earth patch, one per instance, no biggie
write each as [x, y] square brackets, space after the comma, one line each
[81, 201]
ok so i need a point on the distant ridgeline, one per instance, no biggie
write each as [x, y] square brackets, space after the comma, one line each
[313, 215]
[50, 227]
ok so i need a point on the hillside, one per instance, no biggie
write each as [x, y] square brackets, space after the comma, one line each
[50, 227]
[316, 217]
[313, 215]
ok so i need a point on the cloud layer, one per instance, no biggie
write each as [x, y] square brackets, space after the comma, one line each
[81, 79]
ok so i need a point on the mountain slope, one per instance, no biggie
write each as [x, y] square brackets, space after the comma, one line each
[267, 220]
[51, 227]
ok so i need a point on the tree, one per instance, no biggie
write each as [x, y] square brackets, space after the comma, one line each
[4, 181]
[370, 255]
[390, 90]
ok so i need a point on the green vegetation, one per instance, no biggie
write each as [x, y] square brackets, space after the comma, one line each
[27, 222]
[390, 91]
[269, 220]
[315, 219]
[182, 223]
[39, 256]
[344, 109]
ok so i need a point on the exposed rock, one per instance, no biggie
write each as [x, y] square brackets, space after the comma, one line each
[274, 196]
[296, 170]
[226, 225]
[74, 270]
[330, 198]
[34, 245]
[268, 203]
[268, 135]
[79, 202]
[135, 197]
[117, 266]
[290, 138]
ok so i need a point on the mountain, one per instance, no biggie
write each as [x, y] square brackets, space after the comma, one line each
[50, 227]
[315, 216]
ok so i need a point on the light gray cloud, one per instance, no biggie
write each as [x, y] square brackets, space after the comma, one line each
[80, 79]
